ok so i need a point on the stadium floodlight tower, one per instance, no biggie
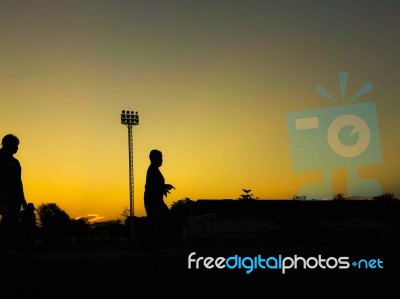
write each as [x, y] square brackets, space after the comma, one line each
[130, 119]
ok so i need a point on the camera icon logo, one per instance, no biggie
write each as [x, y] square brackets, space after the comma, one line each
[342, 136]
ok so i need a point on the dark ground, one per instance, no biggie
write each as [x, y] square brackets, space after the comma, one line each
[122, 269]
[359, 230]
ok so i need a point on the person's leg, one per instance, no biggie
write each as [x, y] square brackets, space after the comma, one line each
[10, 223]
[10, 229]
[165, 226]
[158, 225]
[150, 232]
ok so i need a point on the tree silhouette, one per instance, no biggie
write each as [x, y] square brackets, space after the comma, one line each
[182, 204]
[386, 197]
[140, 223]
[80, 227]
[339, 196]
[125, 213]
[247, 195]
[301, 197]
[180, 211]
[53, 220]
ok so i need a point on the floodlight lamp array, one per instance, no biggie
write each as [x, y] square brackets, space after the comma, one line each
[129, 117]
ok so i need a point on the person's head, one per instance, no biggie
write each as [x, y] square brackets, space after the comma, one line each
[10, 143]
[156, 157]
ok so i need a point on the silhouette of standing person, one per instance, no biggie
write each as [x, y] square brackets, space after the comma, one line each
[156, 209]
[12, 196]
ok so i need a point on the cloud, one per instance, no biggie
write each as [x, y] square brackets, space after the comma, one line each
[90, 217]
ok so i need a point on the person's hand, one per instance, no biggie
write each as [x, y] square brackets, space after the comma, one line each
[169, 187]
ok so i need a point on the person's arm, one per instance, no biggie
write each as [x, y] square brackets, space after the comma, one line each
[168, 187]
[21, 189]
[23, 199]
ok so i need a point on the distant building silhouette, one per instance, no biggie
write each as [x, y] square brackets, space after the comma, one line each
[267, 217]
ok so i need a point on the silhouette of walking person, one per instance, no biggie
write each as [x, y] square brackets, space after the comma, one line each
[156, 209]
[12, 196]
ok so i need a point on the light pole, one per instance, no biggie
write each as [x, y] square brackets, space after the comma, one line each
[130, 119]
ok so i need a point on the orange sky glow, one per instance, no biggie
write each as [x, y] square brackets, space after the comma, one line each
[212, 82]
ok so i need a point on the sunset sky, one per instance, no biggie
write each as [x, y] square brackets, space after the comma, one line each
[212, 81]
